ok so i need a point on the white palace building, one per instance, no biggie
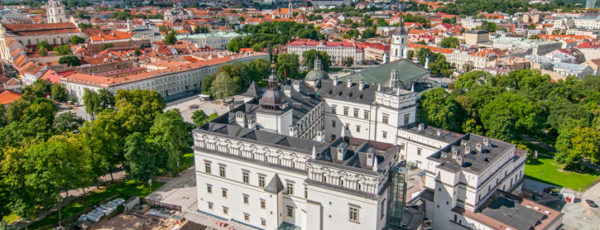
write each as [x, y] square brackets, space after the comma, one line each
[325, 154]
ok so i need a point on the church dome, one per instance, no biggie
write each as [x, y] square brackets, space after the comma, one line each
[272, 98]
[317, 73]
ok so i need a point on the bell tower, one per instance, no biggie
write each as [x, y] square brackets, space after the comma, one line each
[399, 49]
[55, 12]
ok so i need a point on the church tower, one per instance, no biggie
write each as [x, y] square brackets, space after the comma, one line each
[399, 49]
[55, 11]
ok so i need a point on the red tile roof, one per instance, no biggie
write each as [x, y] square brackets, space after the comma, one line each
[8, 97]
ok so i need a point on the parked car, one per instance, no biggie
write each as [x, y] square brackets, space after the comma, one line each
[591, 203]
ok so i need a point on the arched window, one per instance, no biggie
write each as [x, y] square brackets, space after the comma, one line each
[324, 178]
[341, 182]
[358, 186]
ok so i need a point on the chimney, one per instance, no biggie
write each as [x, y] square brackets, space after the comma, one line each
[375, 163]
[455, 152]
[460, 160]
[287, 90]
[412, 87]
[486, 142]
[340, 154]
[252, 123]
[398, 92]
[439, 132]
[335, 81]
[240, 118]
[370, 159]
[320, 136]
[467, 149]
[361, 85]
[379, 87]
[349, 83]
[292, 131]
[297, 85]
[314, 152]
[421, 127]
[478, 147]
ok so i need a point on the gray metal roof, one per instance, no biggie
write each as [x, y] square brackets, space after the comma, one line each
[275, 185]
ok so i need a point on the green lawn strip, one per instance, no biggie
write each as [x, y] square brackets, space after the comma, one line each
[549, 171]
[126, 189]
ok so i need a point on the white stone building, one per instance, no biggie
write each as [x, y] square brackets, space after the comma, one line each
[321, 154]
[336, 50]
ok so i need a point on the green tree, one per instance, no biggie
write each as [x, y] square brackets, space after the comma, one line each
[107, 45]
[62, 50]
[44, 45]
[170, 132]
[140, 157]
[15, 110]
[77, 40]
[200, 118]
[39, 88]
[450, 42]
[287, 66]
[104, 140]
[225, 86]
[207, 84]
[308, 59]
[137, 52]
[42, 52]
[69, 60]
[201, 30]
[43, 109]
[59, 93]
[440, 66]
[411, 54]
[138, 108]
[509, 116]
[438, 108]
[369, 33]
[66, 122]
[348, 61]
[170, 38]
[96, 102]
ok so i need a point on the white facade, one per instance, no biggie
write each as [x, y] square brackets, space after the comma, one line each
[337, 51]
[399, 48]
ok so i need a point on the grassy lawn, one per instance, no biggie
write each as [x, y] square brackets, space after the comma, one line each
[549, 171]
[126, 189]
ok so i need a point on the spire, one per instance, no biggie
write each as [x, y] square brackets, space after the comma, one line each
[273, 79]
[317, 64]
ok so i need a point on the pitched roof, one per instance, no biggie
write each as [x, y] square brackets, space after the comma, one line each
[381, 74]
[8, 97]
[275, 185]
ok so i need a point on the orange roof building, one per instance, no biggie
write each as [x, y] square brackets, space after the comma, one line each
[8, 97]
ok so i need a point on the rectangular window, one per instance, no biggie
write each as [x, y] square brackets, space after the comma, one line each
[382, 209]
[290, 188]
[263, 222]
[406, 118]
[261, 181]
[356, 113]
[208, 188]
[263, 204]
[385, 118]
[246, 199]
[366, 114]
[290, 211]
[224, 193]
[353, 214]
[419, 151]
[346, 110]
[207, 167]
[333, 124]
[358, 128]
[246, 177]
[384, 134]
[222, 170]
[210, 205]
[246, 217]
[305, 192]
[333, 107]
[225, 210]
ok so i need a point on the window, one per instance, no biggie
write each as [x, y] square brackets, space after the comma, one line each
[346, 110]
[341, 181]
[224, 193]
[290, 188]
[290, 211]
[222, 170]
[356, 113]
[305, 192]
[246, 198]
[333, 124]
[263, 204]
[366, 114]
[208, 188]
[246, 217]
[210, 205]
[406, 118]
[419, 151]
[324, 178]
[261, 181]
[358, 186]
[358, 128]
[384, 134]
[348, 126]
[333, 107]
[353, 214]
[207, 167]
[385, 118]
[225, 210]
[382, 212]
[245, 177]
[263, 222]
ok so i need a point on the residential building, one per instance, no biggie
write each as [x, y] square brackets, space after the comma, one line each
[215, 40]
[337, 51]
[476, 37]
